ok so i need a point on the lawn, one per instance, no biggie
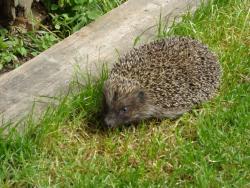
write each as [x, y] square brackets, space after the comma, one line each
[208, 147]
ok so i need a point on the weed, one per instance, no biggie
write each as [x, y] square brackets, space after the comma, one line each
[10, 49]
[14, 50]
[69, 16]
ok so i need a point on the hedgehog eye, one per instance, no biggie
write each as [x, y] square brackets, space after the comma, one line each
[124, 109]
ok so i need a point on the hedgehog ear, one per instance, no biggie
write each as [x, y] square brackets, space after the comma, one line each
[141, 96]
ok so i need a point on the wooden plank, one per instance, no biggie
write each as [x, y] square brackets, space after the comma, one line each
[50, 72]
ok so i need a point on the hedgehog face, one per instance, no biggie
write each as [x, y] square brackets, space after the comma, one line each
[123, 108]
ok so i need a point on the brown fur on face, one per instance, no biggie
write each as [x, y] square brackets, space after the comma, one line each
[125, 107]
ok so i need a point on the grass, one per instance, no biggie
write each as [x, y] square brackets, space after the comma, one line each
[208, 147]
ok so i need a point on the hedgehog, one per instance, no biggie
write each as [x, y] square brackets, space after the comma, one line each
[162, 79]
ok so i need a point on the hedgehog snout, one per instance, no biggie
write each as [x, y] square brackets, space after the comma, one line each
[110, 121]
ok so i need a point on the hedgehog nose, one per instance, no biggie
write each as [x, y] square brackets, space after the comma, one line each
[109, 122]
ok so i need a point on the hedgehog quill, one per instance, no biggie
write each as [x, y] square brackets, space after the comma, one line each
[162, 79]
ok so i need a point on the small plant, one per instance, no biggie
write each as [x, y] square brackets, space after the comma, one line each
[40, 41]
[11, 48]
[15, 49]
[69, 16]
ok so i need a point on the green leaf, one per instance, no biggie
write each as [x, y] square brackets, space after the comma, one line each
[34, 53]
[3, 45]
[22, 51]
[79, 25]
[93, 14]
[65, 16]
[1, 66]
[54, 7]
[3, 32]
[8, 57]
[61, 3]
[57, 26]
[79, 1]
